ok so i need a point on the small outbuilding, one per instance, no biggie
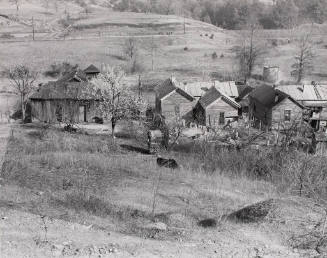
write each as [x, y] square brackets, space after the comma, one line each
[270, 108]
[215, 109]
[65, 100]
[172, 102]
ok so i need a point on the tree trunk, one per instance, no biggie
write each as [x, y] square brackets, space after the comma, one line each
[23, 108]
[113, 125]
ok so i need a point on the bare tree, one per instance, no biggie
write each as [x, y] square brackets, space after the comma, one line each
[22, 79]
[251, 50]
[303, 59]
[167, 6]
[130, 48]
[17, 3]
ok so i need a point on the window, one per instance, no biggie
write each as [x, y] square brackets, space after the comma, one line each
[222, 118]
[177, 110]
[287, 115]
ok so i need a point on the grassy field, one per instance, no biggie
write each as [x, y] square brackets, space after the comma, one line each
[105, 187]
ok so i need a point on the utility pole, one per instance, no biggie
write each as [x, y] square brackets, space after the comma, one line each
[184, 25]
[152, 54]
[140, 87]
[33, 30]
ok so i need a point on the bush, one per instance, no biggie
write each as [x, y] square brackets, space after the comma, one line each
[214, 55]
[212, 36]
[185, 48]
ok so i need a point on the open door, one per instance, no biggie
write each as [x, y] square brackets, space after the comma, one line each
[82, 114]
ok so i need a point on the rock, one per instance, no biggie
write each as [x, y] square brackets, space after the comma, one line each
[157, 226]
[253, 213]
[206, 223]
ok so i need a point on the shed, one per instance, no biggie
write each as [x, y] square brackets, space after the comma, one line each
[64, 100]
[270, 108]
[215, 109]
[172, 102]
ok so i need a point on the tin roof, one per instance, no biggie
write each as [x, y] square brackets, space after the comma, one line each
[198, 89]
[301, 92]
[228, 88]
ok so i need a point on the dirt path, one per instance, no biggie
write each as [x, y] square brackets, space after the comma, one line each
[4, 134]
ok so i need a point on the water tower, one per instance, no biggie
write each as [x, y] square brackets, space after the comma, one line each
[270, 74]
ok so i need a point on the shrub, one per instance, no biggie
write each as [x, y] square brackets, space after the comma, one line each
[185, 48]
[214, 55]
[212, 36]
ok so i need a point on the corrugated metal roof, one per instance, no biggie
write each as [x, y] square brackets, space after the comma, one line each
[228, 88]
[300, 92]
[198, 89]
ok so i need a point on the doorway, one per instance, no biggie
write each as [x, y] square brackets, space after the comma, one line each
[82, 114]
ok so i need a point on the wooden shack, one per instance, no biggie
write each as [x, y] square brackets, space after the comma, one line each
[215, 109]
[270, 108]
[65, 100]
[172, 102]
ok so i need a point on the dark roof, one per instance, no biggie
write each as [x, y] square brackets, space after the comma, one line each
[168, 86]
[76, 75]
[266, 95]
[62, 90]
[243, 90]
[91, 69]
[212, 95]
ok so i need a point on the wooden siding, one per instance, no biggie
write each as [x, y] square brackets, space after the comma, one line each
[47, 110]
[270, 118]
[278, 113]
[210, 116]
[174, 101]
[213, 111]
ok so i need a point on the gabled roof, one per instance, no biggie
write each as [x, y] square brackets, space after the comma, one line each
[76, 75]
[270, 97]
[91, 69]
[212, 95]
[169, 86]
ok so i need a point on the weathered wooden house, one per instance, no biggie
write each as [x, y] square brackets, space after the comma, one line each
[313, 96]
[172, 102]
[66, 99]
[270, 108]
[215, 109]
